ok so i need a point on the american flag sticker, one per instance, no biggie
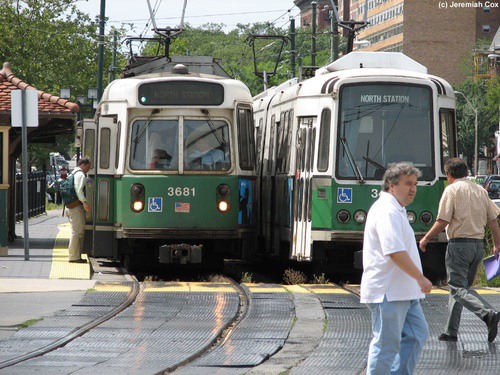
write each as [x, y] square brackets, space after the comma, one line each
[182, 207]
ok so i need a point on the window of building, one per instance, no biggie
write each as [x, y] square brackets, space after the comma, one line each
[486, 9]
[486, 28]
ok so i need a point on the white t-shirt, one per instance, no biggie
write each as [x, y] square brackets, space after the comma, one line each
[388, 231]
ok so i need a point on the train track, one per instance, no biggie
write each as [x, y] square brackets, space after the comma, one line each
[134, 296]
[78, 332]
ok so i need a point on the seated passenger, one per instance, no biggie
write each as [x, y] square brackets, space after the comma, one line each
[160, 159]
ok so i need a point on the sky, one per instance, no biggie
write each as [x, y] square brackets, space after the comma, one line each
[134, 14]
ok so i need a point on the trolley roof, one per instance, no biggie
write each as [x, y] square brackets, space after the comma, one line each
[388, 60]
[126, 89]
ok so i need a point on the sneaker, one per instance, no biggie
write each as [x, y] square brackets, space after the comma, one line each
[78, 261]
[492, 320]
[445, 337]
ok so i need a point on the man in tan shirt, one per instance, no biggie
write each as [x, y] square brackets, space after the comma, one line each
[464, 210]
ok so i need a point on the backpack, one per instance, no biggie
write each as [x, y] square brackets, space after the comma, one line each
[68, 193]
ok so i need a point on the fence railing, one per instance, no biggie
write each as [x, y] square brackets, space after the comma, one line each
[37, 187]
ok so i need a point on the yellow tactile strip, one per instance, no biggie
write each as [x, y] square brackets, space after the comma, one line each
[265, 288]
[61, 268]
[185, 287]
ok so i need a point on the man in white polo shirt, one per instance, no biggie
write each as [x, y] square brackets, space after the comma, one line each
[392, 283]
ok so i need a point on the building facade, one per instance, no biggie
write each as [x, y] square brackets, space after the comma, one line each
[445, 36]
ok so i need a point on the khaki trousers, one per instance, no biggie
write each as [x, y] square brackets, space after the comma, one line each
[76, 218]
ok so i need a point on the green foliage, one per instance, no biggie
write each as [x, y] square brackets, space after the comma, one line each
[246, 278]
[476, 91]
[294, 277]
[28, 323]
[320, 279]
[50, 44]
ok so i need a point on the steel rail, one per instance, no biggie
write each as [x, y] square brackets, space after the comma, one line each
[78, 332]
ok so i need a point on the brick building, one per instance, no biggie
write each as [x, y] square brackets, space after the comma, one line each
[442, 35]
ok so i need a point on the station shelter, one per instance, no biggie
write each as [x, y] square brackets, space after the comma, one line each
[56, 116]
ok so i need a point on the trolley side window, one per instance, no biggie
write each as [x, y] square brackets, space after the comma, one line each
[104, 148]
[448, 135]
[88, 149]
[246, 141]
[206, 145]
[283, 145]
[324, 140]
[154, 144]
[270, 157]
[117, 147]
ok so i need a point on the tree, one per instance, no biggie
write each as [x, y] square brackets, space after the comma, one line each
[475, 91]
[51, 45]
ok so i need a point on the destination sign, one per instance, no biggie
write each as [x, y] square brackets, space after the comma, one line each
[412, 96]
[181, 93]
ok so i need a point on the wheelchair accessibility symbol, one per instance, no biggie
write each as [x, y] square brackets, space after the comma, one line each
[155, 204]
[344, 195]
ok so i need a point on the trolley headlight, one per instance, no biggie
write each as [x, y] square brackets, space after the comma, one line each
[343, 216]
[137, 194]
[223, 197]
[360, 216]
[412, 217]
[426, 217]
[223, 206]
[138, 206]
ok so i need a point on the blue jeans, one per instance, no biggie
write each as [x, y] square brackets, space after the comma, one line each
[399, 333]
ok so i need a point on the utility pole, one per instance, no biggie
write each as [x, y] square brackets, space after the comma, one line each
[335, 32]
[313, 24]
[100, 61]
[115, 46]
[292, 45]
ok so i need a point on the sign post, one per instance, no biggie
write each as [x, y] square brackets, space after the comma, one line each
[24, 112]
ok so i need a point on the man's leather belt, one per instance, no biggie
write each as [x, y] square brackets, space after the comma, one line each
[475, 240]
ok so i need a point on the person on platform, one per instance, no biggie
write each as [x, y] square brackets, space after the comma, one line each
[76, 214]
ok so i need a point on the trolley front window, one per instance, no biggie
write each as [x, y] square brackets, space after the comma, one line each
[154, 145]
[206, 145]
[380, 124]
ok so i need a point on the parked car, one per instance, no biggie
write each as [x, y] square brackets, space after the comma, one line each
[490, 179]
[494, 189]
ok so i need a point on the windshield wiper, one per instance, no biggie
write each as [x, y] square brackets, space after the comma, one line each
[222, 142]
[354, 166]
[374, 163]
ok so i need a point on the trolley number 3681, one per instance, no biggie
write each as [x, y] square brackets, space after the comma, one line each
[181, 192]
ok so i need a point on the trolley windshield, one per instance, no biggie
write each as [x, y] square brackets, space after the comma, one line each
[205, 145]
[380, 124]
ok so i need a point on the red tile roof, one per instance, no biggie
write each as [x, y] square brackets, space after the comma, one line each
[47, 103]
